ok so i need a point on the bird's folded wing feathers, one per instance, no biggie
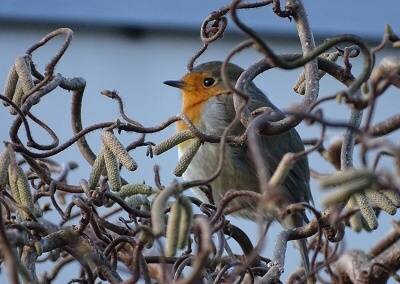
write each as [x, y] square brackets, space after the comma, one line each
[274, 147]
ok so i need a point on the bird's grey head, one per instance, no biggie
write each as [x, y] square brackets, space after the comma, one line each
[207, 77]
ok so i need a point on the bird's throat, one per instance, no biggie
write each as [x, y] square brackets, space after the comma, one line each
[192, 109]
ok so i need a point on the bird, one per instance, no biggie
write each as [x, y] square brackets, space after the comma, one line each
[208, 103]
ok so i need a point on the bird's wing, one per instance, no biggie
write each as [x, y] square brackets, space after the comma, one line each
[274, 147]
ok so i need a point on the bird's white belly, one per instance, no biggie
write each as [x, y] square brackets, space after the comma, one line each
[233, 175]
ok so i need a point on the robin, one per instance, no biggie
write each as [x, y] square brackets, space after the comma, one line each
[208, 103]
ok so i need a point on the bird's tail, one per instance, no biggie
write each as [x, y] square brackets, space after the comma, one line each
[294, 221]
[302, 244]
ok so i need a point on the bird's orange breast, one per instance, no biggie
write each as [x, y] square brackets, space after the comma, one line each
[193, 113]
[192, 109]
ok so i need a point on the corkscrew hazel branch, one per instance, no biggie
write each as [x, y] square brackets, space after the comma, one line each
[300, 86]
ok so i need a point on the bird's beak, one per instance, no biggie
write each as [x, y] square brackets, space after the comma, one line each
[176, 84]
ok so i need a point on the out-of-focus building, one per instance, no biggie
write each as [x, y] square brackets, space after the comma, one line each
[133, 46]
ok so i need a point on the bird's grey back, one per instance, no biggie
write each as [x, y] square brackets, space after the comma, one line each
[220, 112]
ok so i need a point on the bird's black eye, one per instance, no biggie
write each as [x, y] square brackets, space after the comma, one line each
[208, 82]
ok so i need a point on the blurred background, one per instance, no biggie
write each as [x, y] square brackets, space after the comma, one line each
[133, 46]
